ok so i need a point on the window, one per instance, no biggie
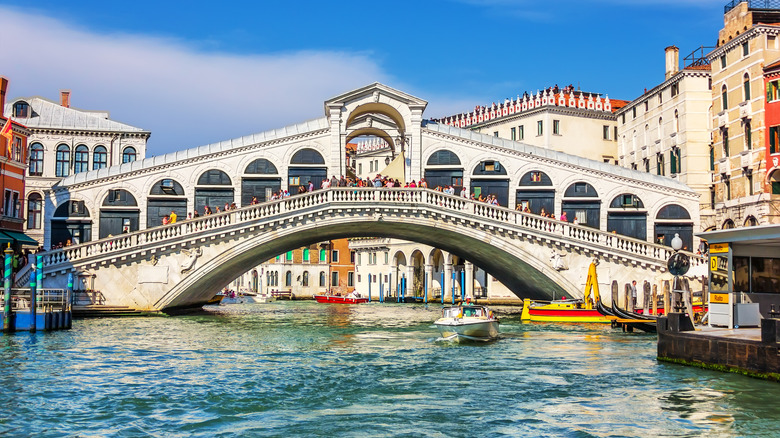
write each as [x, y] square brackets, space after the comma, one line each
[360, 168]
[350, 279]
[322, 279]
[606, 132]
[21, 109]
[746, 86]
[748, 136]
[723, 61]
[387, 257]
[36, 160]
[674, 161]
[99, 158]
[352, 257]
[520, 133]
[771, 90]
[289, 256]
[582, 217]
[712, 158]
[725, 133]
[749, 184]
[63, 161]
[128, 155]
[771, 40]
[81, 159]
[660, 97]
[615, 137]
[305, 279]
[360, 258]
[675, 89]
[647, 105]
[774, 139]
[513, 133]
[712, 198]
[727, 184]
[660, 164]
[623, 118]
[495, 133]
[334, 278]
[745, 49]
[306, 254]
[323, 255]
[539, 128]
[676, 121]
[288, 278]
[294, 181]
[776, 187]
[724, 98]
[34, 211]
[633, 112]
[647, 165]
[334, 256]
[556, 127]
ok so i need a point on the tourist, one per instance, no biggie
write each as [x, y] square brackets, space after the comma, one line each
[166, 220]
[172, 217]
[564, 218]
[633, 293]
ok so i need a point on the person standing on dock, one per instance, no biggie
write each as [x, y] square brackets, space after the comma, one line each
[633, 293]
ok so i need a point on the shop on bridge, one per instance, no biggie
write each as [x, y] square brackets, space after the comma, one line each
[307, 165]
[536, 192]
[581, 201]
[71, 223]
[214, 189]
[627, 216]
[674, 219]
[444, 169]
[261, 179]
[489, 178]
[165, 196]
[119, 213]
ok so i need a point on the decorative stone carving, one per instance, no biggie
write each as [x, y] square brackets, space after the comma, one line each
[558, 261]
[192, 256]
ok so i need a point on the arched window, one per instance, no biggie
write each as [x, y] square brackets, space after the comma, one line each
[36, 160]
[660, 128]
[81, 159]
[99, 158]
[305, 254]
[307, 156]
[34, 211]
[21, 109]
[724, 98]
[443, 158]
[647, 135]
[261, 166]
[634, 146]
[305, 281]
[746, 86]
[63, 161]
[288, 278]
[751, 221]
[322, 279]
[676, 121]
[128, 155]
[728, 224]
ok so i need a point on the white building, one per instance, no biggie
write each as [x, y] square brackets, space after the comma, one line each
[666, 130]
[66, 141]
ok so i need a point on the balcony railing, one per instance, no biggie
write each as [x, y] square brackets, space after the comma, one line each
[754, 4]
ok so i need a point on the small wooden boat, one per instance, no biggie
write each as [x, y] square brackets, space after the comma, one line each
[646, 323]
[216, 299]
[467, 322]
[351, 298]
[568, 310]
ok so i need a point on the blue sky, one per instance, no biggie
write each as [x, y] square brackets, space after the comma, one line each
[198, 72]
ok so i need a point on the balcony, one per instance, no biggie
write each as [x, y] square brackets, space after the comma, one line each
[723, 167]
[745, 159]
[723, 119]
[744, 110]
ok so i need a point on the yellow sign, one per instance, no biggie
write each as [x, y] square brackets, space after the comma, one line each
[717, 248]
[719, 298]
[713, 263]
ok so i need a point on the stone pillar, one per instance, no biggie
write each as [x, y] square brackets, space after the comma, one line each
[427, 280]
[410, 280]
[414, 145]
[447, 289]
[469, 279]
[337, 149]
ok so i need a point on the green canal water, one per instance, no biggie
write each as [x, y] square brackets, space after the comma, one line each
[303, 369]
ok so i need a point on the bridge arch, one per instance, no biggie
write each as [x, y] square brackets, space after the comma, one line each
[260, 175]
[164, 196]
[535, 191]
[380, 108]
[119, 213]
[214, 188]
[489, 177]
[443, 167]
[72, 222]
[581, 201]
[306, 164]
[674, 219]
[627, 215]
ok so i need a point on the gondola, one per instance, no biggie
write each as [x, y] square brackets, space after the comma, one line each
[641, 322]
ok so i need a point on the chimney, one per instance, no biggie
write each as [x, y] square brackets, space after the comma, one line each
[65, 98]
[672, 61]
[3, 87]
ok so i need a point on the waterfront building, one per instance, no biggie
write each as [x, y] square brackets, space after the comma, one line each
[13, 150]
[66, 141]
[381, 263]
[772, 117]
[666, 130]
[554, 118]
[741, 178]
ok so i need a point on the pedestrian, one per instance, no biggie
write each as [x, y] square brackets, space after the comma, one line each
[633, 294]
[166, 220]
[564, 218]
[172, 217]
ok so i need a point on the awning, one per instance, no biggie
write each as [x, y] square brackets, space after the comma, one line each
[16, 236]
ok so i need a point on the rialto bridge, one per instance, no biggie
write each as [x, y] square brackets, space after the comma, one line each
[112, 214]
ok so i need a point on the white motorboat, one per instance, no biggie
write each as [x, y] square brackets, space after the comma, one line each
[264, 297]
[468, 322]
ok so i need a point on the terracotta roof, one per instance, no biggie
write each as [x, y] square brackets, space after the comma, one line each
[698, 67]
[772, 65]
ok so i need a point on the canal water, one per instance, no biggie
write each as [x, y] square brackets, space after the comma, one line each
[303, 369]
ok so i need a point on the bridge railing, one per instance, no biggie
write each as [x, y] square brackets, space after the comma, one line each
[552, 228]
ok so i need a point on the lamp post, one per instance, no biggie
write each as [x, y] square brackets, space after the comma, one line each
[678, 265]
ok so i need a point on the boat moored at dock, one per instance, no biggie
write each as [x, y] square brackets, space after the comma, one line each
[351, 298]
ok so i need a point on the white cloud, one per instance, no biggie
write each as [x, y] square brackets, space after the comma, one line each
[184, 96]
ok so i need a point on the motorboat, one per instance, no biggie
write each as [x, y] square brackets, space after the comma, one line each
[467, 322]
[263, 298]
[350, 298]
[563, 310]
[216, 299]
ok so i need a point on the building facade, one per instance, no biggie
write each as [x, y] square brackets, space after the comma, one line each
[742, 188]
[13, 157]
[65, 141]
[772, 122]
[666, 130]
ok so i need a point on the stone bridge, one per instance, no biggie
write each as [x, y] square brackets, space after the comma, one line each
[182, 265]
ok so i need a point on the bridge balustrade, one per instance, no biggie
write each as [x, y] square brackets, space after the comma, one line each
[550, 228]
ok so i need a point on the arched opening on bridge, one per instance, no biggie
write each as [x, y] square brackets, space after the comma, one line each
[536, 192]
[489, 178]
[581, 201]
[119, 213]
[673, 219]
[214, 190]
[379, 120]
[260, 181]
[444, 169]
[165, 196]
[417, 284]
[71, 223]
[627, 216]
[370, 155]
[306, 166]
